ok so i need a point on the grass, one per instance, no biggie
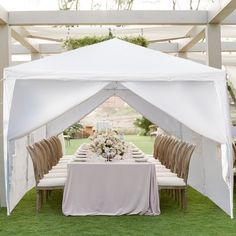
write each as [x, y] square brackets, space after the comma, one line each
[202, 218]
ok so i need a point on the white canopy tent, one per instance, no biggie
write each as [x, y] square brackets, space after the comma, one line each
[186, 99]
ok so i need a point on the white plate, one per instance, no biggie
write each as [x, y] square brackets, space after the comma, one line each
[137, 153]
[141, 160]
[135, 150]
[138, 156]
[80, 160]
[80, 156]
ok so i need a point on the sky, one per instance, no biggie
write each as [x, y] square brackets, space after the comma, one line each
[25, 5]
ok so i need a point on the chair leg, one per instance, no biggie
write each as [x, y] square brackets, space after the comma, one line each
[178, 193]
[184, 199]
[180, 198]
[41, 199]
[44, 193]
[38, 200]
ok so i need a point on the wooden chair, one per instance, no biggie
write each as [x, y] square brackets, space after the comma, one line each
[179, 183]
[42, 184]
[234, 158]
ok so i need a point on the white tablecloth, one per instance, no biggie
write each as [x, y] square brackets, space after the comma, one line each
[111, 189]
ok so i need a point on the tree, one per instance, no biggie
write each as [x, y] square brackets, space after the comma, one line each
[143, 124]
[72, 130]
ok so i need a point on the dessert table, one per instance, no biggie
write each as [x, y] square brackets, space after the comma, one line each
[110, 188]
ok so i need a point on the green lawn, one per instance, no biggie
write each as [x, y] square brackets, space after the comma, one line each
[202, 218]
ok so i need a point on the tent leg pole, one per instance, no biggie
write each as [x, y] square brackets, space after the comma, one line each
[5, 38]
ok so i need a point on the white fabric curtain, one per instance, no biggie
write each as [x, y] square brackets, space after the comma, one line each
[36, 102]
[75, 114]
[186, 101]
[205, 174]
[151, 112]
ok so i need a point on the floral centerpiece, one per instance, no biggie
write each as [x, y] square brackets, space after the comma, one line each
[108, 144]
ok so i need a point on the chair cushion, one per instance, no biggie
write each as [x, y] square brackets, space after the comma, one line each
[59, 167]
[58, 171]
[148, 155]
[160, 166]
[51, 182]
[65, 157]
[170, 181]
[56, 175]
[61, 162]
[162, 170]
[165, 174]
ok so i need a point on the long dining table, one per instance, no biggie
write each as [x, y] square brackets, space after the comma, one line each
[120, 187]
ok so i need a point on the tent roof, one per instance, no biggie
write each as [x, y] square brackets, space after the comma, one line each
[112, 60]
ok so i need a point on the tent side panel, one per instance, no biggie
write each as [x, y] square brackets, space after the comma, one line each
[72, 116]
[22, 172]
[205, 174]
[193, 103]
[216, 187]
[46, 100]
[154, 114]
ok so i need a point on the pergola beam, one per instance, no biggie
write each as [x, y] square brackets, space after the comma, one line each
[136, 17]
[195, 35]
[230, 20]
[218, 15]
[20, 34]
[55, 48]
[3, 16]
[164, 47]
[139, 17]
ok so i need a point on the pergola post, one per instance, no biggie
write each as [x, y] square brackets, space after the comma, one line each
[35, 56]
[5, 58]
[213, 45]
[182, 55]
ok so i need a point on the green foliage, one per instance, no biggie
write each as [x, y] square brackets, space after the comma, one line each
[143, 124]
[73, 43]
[67, 5]
[124, 4]
[72, 130]
[141, 41]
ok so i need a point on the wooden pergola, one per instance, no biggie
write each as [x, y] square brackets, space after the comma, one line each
[205, 35]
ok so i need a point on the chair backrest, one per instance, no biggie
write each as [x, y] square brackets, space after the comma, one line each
[37, 168]
[163, 148]
[156, 145]
[44, 156]
[47, 153]
[41, 158]
[186, 162]
[234, 154]
[167, 151]
[41, 154]
[160, 145]
[178, 157]
[55, 148]
[53, 152]
[59, 146]
[170, 154]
